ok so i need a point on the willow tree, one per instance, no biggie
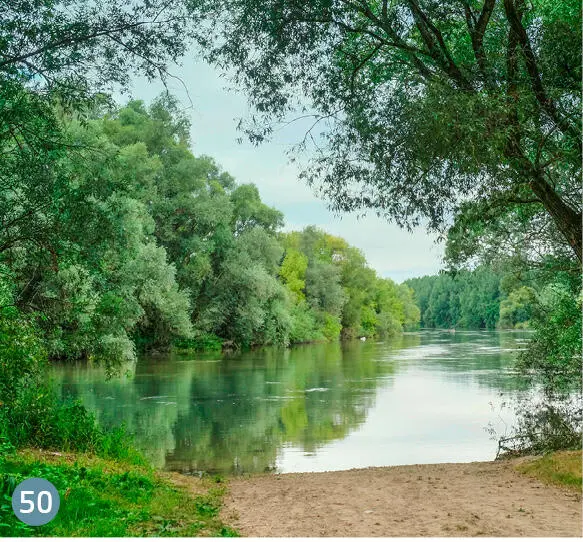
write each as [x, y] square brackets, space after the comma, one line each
[419, 106]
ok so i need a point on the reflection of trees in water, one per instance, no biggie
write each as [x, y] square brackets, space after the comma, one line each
[261, 400]
[136, 403]
[236, 414]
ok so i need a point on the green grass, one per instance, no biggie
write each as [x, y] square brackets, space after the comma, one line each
[103, 497]
[559, 468]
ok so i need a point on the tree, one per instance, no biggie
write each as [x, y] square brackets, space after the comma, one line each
[323, 288]
[62, 206]
[467, 299]
[57, 55]
[71, 47]
[219, 236]
[518, 308]
[293, 273]
[425, 105]
[249, 211]
[97, 279]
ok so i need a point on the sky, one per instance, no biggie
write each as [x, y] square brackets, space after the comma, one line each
[214, 111]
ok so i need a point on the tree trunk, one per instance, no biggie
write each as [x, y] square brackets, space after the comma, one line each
[566, 218]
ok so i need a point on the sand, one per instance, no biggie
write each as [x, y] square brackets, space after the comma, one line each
[471, 499]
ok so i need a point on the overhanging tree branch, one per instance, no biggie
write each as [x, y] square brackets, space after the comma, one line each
[513, 14]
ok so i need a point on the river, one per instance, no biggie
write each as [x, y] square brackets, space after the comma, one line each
[423, 397]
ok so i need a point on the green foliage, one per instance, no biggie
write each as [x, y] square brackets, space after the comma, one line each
[101, 279]
[331, 326]
[552, 418]
[548, 425]
[517, 309]
[428, 110]
[67, 195]
[304, 326]
[202, 342]
[293, 273]
[145, 245]
[30, 412]
[21, 356]
[250, 212]
[323, 290]
[467, 299]
[554, 353]
[336, 293]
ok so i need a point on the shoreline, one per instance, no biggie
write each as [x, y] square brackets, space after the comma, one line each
[526, 496]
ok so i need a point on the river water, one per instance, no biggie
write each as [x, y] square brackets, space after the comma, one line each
[423, 397]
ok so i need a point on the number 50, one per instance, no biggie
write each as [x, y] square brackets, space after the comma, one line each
[39, 502]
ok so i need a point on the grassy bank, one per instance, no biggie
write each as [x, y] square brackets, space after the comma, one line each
[557, 468]
[104, 497]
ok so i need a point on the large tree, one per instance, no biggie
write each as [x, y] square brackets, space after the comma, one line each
[425, 105]
[57, 54]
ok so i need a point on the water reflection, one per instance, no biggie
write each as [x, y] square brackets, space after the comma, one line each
[312, 407]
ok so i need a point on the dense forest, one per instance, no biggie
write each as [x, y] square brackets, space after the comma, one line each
[482, 298]
[136, 243]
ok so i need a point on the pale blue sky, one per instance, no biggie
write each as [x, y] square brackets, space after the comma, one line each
[215, 110]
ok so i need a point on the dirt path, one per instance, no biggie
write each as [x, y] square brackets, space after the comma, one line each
[473, 499]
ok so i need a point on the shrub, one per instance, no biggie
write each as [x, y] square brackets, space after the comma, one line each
[553, 421]
[31, 415]
[21, 355]
[553, 355]
[200, 342]
[549, 426]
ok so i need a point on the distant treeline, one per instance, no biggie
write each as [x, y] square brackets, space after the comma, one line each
[478, 299]
[128, 241]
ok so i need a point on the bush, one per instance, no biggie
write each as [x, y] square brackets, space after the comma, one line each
[553, 421]
[40, 420]
[200, 342]
[546, 426]
[31, 415]
[21, 355]
[303, 324]
[553, 356]
[331, 326]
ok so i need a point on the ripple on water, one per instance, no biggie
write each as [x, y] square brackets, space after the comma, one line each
[422, 352]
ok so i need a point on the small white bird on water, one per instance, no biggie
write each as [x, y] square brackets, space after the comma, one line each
[363, 338]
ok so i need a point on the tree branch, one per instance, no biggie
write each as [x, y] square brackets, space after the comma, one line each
[434, 41]
[514, 17]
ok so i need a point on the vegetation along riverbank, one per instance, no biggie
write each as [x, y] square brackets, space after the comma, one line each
[112, 497]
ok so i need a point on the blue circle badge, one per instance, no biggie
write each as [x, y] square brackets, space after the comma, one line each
[35, 501]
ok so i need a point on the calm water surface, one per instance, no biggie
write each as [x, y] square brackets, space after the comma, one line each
[423, 397]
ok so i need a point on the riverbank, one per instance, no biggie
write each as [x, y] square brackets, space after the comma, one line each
[516, 497]
[104, 497]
